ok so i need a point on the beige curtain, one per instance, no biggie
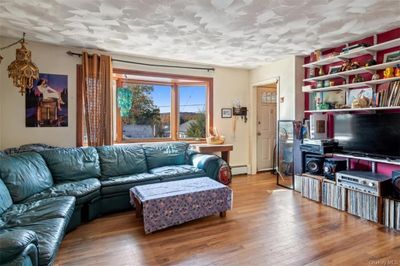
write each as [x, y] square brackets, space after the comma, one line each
[97, 98]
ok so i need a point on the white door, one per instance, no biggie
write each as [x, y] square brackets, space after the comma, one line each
[266, 127]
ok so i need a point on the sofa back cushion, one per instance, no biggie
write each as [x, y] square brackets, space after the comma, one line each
[72, 164]
[163, 154]
[25, 174]
[122, 160]
[5, 198]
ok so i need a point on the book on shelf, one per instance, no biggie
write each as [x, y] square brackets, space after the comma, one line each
[388, 96]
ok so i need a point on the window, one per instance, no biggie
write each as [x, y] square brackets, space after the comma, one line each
[151, 107]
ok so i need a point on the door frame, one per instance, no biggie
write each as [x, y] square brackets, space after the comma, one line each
[253, 118]
[270, 85]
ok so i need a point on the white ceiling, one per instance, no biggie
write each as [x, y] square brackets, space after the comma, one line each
[239, 33]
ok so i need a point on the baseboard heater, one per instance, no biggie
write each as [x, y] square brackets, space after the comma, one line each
[239, 169]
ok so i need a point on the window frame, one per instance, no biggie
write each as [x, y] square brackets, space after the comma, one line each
[174, 123]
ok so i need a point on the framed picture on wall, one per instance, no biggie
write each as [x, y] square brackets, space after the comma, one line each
[46, 104]
[334, 69]
[390, 57]
[226, 113]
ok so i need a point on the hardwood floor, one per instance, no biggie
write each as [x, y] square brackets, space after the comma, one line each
[268, 225]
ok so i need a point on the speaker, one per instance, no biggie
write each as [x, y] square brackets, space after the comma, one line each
[314, 164]
[333, 165]
[396, 183]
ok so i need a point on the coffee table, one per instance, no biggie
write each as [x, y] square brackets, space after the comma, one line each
[171, 203]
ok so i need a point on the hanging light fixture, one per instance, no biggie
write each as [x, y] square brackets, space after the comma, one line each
[22, 70]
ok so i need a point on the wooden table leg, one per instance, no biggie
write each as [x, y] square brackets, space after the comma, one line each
[222, 214]
[138, 208]
[225, 156]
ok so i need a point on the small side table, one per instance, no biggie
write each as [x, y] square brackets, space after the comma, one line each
[224, 149]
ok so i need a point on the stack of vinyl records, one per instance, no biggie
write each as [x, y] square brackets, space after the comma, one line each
[333, 196]
[362, 205]
[391, 213]
[297, 183]
[311, 188]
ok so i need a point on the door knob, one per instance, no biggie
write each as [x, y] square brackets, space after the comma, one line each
[258, 133]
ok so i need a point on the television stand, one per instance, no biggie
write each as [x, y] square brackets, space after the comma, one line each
[369, 159]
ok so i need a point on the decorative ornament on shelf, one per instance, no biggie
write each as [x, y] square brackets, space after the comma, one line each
[397, 71]
[388, 73]
[321, 71]
[376, 76]
[357, 78]
[22, 70]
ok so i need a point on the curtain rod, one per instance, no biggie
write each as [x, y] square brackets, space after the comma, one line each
[208, 69]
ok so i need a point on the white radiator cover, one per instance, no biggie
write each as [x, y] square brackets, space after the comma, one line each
[239, 169]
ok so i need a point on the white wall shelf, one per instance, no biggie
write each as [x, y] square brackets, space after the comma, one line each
[369, 83]
[354, 109]
[370, 159]
[344, 74]
[353, 54]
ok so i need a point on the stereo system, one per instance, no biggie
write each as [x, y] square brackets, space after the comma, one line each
[396, 183]
[334, 165]
[314, 164]
[366, 182]
[319, 146]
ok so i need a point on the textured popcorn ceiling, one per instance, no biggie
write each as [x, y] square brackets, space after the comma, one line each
[240, 33]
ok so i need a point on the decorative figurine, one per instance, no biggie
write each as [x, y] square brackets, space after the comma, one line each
[331, 83]
[371, 62]
[357, 78]
[346, 66]
[397, 71]
[326, 83]
[376, 76]
[320, 84]
[317, 54]
[321, 72]
[388, 73]
[354, 65]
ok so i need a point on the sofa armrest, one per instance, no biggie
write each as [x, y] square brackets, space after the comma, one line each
[214, 166]
[18, 244]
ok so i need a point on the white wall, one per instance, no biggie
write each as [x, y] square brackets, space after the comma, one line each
[229, 84]
[289, 74]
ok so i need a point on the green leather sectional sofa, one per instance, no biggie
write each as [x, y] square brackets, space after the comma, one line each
[45, 194]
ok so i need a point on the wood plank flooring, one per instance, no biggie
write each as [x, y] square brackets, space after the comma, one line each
[268, 225]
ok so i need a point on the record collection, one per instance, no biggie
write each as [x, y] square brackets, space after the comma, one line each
[297, 183]
[391, 213]
[362, 205]
[333, 196]
[389, 97]
[311, 188]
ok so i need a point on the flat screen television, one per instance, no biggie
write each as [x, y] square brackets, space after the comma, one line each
[373, 135]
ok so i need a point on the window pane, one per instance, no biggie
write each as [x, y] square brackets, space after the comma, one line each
[192, 112]
[145, 111]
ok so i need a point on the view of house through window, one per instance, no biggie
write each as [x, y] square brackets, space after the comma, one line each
[161, 108]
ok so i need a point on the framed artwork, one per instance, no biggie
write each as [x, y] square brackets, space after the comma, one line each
[226, 112]
[357, 93]
[334, 69]
[390, 57]
[46, 104]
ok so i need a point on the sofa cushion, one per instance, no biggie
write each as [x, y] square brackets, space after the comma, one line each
[83, 190]
[177, 171]
[25, 174]
[27, 213]
[118, 184]
[163, 154]
[49, 233]
[2, 154]
[122, 160]
[5, 198]
[72, 164]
